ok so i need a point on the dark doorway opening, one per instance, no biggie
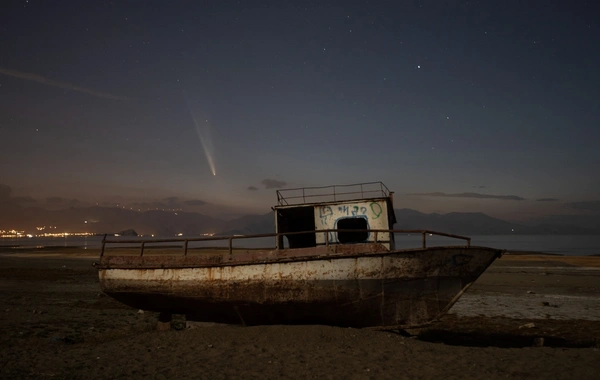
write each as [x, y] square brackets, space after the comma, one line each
[298, 219]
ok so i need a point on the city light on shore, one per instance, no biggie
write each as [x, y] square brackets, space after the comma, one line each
[18, 234]
[12, 233]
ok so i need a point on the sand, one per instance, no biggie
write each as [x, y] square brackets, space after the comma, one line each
[55, 323]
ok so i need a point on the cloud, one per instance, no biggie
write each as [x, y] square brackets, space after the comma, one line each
[593, 206]
[480, 187]
[5, 191]
[547, 200]
[50, 82]
[252, 188]
[273, 183]
[195, 202]
[472, 195]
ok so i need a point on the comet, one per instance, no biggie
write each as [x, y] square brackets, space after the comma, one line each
[203, 132]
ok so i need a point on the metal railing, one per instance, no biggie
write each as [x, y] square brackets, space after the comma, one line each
[186, 241]
[332, 193]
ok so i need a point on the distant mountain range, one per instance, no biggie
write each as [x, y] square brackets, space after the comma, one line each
[481, 224]
[169, 223]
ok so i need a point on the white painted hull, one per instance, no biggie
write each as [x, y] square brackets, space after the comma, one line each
[403, 288]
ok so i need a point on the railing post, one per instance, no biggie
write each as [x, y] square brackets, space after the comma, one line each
[185, 247]
[103, 243]
[423, 238]
[326, 235]
[142, 249]
[468, 242]
[231, 248]
[375, 237]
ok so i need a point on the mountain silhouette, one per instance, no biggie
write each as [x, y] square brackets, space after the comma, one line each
[101, 220]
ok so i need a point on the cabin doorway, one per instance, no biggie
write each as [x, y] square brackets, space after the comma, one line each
[297, 219]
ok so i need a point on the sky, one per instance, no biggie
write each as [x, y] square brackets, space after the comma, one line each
[211, 106]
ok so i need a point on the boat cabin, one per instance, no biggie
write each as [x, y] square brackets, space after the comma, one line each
[339, 214]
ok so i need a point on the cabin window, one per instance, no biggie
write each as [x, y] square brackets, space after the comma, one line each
[359, 229]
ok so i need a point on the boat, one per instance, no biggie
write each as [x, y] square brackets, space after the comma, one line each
[334, 262]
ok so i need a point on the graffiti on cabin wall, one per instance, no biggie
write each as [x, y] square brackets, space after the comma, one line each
[352, 210]
[373, 211]
[376, 209]
[325, 213]
[327, 217]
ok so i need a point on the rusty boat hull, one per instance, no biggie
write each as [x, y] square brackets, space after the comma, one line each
[356, 285]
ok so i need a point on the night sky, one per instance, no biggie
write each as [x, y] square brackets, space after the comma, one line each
[210, 106]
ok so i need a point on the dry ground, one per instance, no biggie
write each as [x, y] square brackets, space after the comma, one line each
[55, 323]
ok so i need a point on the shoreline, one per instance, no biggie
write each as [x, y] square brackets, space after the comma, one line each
[77, 249]
[566, 245]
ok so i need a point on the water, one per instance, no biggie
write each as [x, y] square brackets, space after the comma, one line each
[95, 242]
[69, 241]
[570, 245]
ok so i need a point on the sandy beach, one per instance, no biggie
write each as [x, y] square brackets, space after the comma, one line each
[527, 317]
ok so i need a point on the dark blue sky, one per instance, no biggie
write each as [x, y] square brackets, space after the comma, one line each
[129, 101]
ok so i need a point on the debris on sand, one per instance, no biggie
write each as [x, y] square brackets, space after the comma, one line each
[538, 342]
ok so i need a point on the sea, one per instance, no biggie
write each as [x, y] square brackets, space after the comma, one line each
[569, 245]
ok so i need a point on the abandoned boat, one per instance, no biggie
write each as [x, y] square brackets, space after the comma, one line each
[334, 262]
